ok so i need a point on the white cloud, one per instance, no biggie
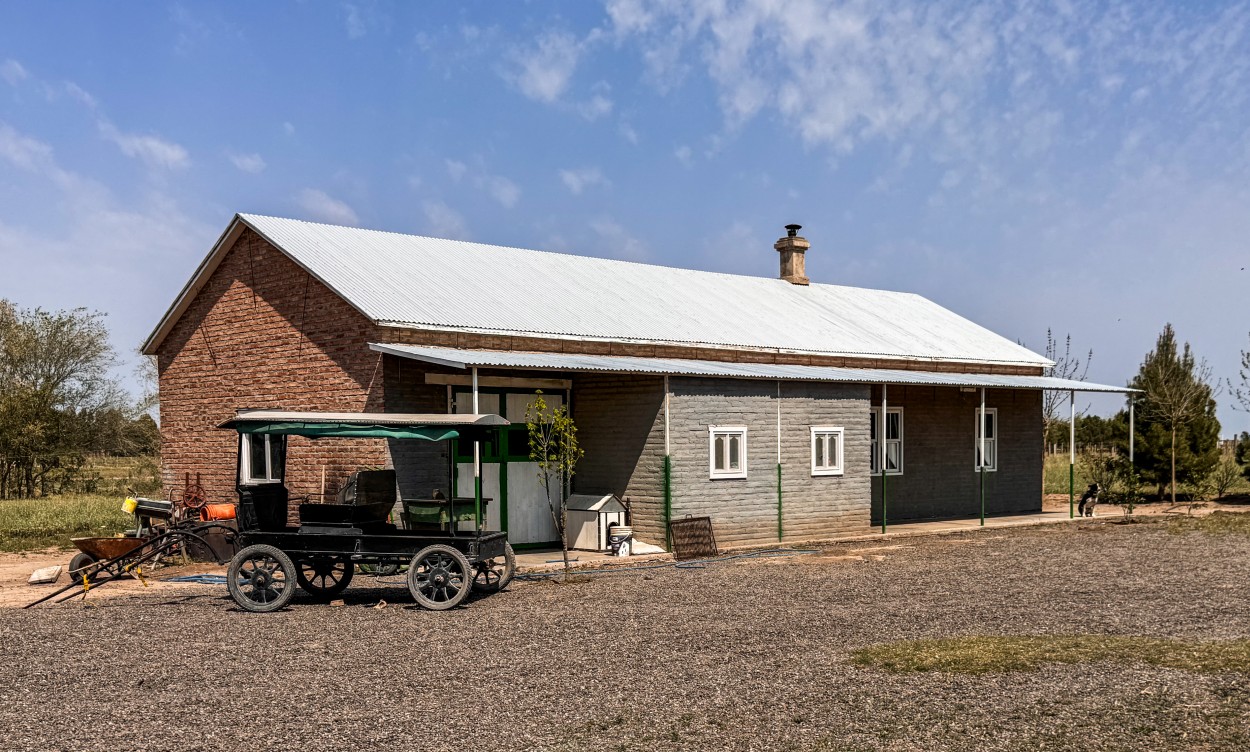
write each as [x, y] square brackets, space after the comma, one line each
[684, 155]
[617, 242]
[502, 190]
[455, 169]
[252, 163]
[595, 107]
[13, 72]
[80, 95]
[152, 150]
[972, 78]
[444, 222]
[320, 205]
[578, 180]
[354, 21]
[542, 72]
[23, 152]
[288, 128]
[628, 133]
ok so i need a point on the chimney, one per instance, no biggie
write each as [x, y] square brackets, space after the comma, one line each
[792, 247]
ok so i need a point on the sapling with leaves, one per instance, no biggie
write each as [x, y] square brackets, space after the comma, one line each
[554, 449]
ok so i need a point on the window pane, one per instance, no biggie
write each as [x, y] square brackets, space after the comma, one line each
[892, 449]
[277, 456]
[872, 425]
[832, 450]
[990, 420]
[735, 448]
[894, 425]
[718, 452]
[820, 449]
[256, 457]
[874, 458]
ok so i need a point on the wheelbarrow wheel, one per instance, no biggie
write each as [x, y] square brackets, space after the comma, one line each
[324, 577]
[261, 579]
[81, 561]
[493, 575]
[440, 577]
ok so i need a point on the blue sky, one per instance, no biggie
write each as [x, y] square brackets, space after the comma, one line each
[1078, 166]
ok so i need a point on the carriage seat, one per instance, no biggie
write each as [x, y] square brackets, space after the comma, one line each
[365, 501]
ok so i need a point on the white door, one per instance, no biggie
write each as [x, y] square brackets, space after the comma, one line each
[529, 516]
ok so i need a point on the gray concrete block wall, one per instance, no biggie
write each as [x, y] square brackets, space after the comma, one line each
[744, 511]
[620, 426]
[939, 440]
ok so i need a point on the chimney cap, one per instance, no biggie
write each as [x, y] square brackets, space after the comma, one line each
[792, 230]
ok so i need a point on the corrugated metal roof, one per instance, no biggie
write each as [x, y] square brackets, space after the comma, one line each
[682, 367]
[429, 282]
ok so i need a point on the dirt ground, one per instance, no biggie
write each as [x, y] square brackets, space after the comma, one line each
[15, 570]
[744, 654]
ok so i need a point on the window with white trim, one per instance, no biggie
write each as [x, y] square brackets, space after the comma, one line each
[826, 450]
[727, 449]
[893, 440]
[990, 462]
[264, 457]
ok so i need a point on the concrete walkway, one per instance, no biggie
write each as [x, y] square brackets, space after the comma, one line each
[549, 559]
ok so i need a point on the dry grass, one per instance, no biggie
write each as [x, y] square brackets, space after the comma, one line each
[1216, 523]
[27, 524]
[987, 654]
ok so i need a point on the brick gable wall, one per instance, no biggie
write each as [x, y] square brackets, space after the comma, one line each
[263, 333]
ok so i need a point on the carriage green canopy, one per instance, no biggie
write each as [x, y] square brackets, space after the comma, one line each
[316, 425]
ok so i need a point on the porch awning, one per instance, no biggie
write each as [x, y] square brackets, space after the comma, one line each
[430, 427]
[576, 363]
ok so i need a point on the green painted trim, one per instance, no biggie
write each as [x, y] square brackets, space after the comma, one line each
[1071, 490]
[780, 530]
[668, 501]
[982, 496]
[503, 496]
[884, 498]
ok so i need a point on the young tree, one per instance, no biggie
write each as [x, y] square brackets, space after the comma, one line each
[1226, 473]
[1066, 366]
[1177, 414]
[553, 447]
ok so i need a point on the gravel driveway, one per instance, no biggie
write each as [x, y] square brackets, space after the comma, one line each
[740, 655]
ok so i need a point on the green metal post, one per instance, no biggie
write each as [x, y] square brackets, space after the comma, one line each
[884, 496]
[668, 500]
[983, 496]
[780, 530]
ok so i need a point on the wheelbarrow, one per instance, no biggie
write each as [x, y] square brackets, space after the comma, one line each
[92, 550]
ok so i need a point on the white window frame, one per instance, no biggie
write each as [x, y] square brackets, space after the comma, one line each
[820, 433]
[245, 461]
[991, 444]
[712, 433]
[875, 412]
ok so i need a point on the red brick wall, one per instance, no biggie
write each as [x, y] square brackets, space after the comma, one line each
[263, 333]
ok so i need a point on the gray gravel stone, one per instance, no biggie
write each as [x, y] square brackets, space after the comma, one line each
[746, 655]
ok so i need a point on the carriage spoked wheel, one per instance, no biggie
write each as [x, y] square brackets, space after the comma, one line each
[439, 577]
[493, 575]
[261, 579]
[324, 576]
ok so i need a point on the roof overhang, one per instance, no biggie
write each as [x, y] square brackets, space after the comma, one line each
[363, 419]
[576, 363]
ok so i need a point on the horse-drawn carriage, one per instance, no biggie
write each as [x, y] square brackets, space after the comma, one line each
[367, 523]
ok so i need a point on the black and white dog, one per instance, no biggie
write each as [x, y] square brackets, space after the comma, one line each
[1088, 501]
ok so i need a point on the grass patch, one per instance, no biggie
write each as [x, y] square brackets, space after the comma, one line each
[1216, 523]
[981, 655]
[27, 524]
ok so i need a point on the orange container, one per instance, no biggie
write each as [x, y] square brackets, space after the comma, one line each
[217, 512]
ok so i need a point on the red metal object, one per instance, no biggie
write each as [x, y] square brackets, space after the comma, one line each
[108, 548]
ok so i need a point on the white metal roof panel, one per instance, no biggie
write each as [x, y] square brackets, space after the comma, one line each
[680, 367]
[409, 280]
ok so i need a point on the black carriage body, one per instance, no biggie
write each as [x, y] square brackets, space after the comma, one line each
[329, 539]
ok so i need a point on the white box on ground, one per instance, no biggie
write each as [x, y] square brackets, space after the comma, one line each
[589, 516]
[45, 575]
